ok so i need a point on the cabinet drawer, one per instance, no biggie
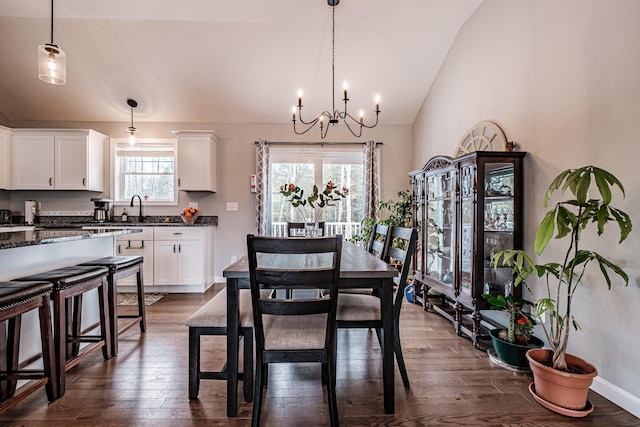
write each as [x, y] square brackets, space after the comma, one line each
[177, 233]
[145, 234]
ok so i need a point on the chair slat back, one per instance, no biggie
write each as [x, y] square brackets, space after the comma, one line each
[292, 228]
[379, 240]
[402, 244]
[298, 263]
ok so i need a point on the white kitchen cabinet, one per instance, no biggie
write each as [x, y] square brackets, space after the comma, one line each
[179, 256]
[57, 159]
[197, 160]
[5, 158]
[137, 244]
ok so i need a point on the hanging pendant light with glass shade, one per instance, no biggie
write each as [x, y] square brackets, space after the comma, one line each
[131, 130]
[52, 61]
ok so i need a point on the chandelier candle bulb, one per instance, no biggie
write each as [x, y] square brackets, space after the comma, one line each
[345, 91]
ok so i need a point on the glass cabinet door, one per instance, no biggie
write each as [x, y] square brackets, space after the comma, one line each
[466, 227]
[439, 225]
[418, 209]
[498, 220]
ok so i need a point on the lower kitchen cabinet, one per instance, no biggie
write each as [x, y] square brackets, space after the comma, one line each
[179, 256]
[176, 259]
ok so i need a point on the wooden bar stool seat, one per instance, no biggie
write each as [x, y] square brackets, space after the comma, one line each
[69, 284]
[16, 299]
[119, 267]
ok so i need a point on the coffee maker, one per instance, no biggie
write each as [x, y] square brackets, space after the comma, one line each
[101, 210]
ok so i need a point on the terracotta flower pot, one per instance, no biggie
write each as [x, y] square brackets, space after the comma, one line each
[513, 354]
[563, 389]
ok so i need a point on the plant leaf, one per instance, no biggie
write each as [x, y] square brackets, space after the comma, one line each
[544, 232]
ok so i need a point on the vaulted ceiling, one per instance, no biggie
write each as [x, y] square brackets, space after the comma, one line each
[214, 61]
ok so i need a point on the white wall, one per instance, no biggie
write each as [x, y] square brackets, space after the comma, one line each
[563, 80]
[236, 162]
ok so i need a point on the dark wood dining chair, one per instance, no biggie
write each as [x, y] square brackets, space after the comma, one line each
[377, 245]
[379, 240]
[363, 311]
[301, 330]
[296, 229]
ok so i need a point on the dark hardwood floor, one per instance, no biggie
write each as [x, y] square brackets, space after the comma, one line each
[452, 384]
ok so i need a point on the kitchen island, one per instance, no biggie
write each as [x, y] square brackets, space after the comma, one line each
[38, 250]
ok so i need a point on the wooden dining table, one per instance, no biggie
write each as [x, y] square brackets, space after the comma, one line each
[358, 269]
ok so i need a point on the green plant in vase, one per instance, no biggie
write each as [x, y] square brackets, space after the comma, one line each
[312, 206]
[392, 212]
[521, 323]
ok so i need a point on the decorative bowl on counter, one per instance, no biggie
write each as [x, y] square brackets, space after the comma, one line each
[191, 220]
[189, 215]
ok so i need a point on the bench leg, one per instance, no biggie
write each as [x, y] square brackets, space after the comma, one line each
[194, 363]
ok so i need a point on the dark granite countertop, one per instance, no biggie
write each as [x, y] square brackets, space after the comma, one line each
[40, 235]
[148, 221]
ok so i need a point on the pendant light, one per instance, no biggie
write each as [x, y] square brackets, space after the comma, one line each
[52, 64]
[131, 130]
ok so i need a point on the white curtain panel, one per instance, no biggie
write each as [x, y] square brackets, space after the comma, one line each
[262, 188]
[372, 194]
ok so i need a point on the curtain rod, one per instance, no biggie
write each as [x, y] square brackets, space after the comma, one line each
[314, 143]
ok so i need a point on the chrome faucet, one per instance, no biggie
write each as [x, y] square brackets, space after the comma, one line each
[140, 218]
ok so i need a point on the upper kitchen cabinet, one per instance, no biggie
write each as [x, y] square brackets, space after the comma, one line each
[197, 160]
[5, 158]
[57, 159]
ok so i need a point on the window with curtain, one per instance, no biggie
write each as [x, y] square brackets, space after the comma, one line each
[344, 166]
[147, 169]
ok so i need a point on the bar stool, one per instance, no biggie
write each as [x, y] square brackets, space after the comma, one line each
[69, 284]
[16, 299]
[119, 267]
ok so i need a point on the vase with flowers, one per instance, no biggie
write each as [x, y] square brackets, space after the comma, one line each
[312, 206]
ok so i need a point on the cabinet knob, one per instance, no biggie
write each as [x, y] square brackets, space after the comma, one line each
[179, 248]
[84, 182]
[119, 250]
[174, 249]
[179, 182]
[50, 182]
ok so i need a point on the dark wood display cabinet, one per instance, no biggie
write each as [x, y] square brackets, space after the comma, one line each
[467, 209]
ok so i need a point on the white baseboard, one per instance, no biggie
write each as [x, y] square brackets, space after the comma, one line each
[615, 394]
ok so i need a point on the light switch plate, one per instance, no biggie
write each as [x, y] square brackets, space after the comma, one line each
[232, 206]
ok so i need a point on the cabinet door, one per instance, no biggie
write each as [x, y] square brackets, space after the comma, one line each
[499, 224]
[190, 262]
[440, 224]
[196, 163]
[137, 248]
[71, 153]
[5, 160]
[165, 263]
[32, 162]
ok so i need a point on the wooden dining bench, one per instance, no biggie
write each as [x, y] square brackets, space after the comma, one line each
[211, 319]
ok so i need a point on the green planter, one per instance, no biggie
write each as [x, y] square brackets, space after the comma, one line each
[513, 354]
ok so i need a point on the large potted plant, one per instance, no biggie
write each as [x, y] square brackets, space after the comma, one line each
[562, 380]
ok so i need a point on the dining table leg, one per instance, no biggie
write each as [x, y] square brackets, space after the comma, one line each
[388, 339]
[233, 344]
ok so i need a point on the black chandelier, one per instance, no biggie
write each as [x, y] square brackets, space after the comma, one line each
[336, 116]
